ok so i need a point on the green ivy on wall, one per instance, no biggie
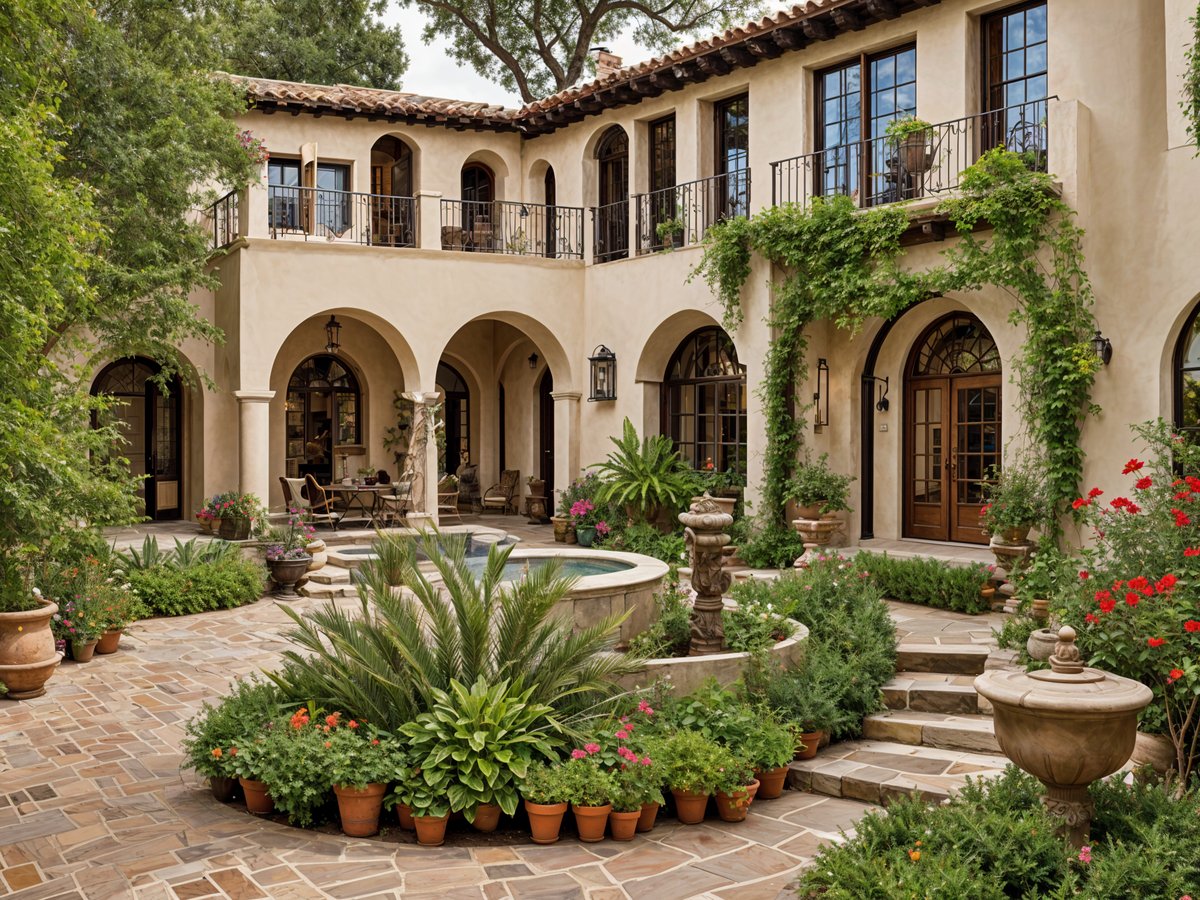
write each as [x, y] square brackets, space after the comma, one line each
[1191, 83]
[842, 264]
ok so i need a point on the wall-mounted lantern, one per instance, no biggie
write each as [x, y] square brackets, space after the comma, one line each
[333, 331]
[1102, 347]
[533, 358]
[821, 395]
[882, 403]
[604, 374]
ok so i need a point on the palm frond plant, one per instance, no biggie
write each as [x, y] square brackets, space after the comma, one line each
[414, 634]
[648, 475]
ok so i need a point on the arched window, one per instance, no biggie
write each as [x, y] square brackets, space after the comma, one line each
[457, 413]
[323, 412]
[957, 345]
[1187, 378]
[612, 213]
[393, 212]
[704, 401]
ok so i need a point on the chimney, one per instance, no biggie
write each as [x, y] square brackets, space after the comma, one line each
[607, 62]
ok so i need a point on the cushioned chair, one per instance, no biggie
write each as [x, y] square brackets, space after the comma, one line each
[294, 496]
[320, 508]
[503, 494]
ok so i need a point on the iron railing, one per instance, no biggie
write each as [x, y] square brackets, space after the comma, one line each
[883, 170]
[221, 221]
[513, 229]
[318, 214]
[678, 216]
[610, 231]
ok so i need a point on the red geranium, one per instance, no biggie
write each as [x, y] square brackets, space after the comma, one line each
[1143, 483]
[1132, 466]
[1155, 642]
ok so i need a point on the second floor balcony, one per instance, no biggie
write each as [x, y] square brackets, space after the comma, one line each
[679, 216]
[512, 228]
[303, 213]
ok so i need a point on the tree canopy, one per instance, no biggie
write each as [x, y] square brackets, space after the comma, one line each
[538, 47]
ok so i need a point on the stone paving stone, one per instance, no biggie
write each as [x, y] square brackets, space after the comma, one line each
[363, 887]
[237, 885]
[645, 860]
[677, 885]
[507, 870]
[22, 876]
[767, 889]
[804, 845]
[703, 841]
[748, 864]
[546, 887]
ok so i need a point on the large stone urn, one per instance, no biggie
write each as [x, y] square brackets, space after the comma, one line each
[27, 654]
[816, 534]
[1067, 726]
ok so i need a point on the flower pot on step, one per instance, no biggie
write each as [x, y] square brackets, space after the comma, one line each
[689, 807]
[359, 809]
[562, 524]
[623, 825]
[431, 830]
[285, 573]
[234, 529]
[647, 816]
[545, 820]
[812, 742]
[109, 642]
[590, 821]
[733, 807]
[258, 797]
[222, 788]
[27, 654]
[487, 817]
[771, 782]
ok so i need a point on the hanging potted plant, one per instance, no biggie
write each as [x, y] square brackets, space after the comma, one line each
[287, 553]
[238, 514]
[910, 138]
[546, 795]
[590, 790]
[361, 762]
[693, 766]
[817, 490]
[1017, 500]
[28, 656]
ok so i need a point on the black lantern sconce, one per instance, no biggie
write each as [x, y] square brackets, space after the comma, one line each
[1102, 347]
[533, 359]
[604, 374]
[882, 404]
[333, 331]
[821, 395]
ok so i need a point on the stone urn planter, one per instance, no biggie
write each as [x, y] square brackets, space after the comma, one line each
[27, 654]
[1041, 643]
[725, 504]
[564, 531]
[817, 533]
[285, 573]
[1067, 726]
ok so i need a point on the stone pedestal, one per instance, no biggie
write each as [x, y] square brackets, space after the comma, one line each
[1010, 557]
[704, 529]
[817, 533]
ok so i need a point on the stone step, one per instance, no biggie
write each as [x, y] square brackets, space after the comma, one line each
[934, 692]
[949, 659]
[881, 771]
[330, 575]
[326, 591]
[970, 733]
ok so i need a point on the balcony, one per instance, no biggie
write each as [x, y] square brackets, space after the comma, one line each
[512, 229]
[303, 213]
[881, 171]
[610, 232]
[679, 216]
[221, 221]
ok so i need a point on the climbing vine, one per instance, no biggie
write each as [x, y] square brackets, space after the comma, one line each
[841, 264]
[1191, 82]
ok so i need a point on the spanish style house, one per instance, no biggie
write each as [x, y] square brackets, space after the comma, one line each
[400, 244]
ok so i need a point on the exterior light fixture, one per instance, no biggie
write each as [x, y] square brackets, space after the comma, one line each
[524, 211]
[882, 404]
[1102, 347]
[533, 358]
[604, 374]
[333, 331]
[821, 395]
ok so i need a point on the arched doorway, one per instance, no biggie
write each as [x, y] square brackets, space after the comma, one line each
[612, 213]
[393, 209]
[478, 186]
[323, 411]
[704, 401]
[1186, 369]
[457, 415]
[150, 420]
[951, 429]
[546, 431]
[550, 190]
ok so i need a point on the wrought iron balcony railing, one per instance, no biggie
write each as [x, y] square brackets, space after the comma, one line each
[513, 229]
[318, 214]
[221, 221]
[884, 170]
[678, 216]
[610, 232]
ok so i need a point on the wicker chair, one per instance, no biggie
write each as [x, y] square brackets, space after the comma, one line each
[503, 494]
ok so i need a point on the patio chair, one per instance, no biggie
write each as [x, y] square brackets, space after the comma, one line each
[320, 508]
[294, 496]
[468, 484]
[503, 494]
[393, 506]
[447, 504]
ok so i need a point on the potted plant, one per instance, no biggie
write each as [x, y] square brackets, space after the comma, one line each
[287, 553]
[638, 795]
[579, 489]
[648, 477]
[246, 764]
[723, 488]
[1048, 572]
[366, 475]
[78, 624]
[361, 762]
[735, 791]
[1017, 500]
[546, 795]
[213, 735]
[817, 490]
[669, 233]
[692, 769]
[537, 486]
[116, 607]
[590, 790]
[207, 520]
[910, 137]
[804, 701]
[27, 643]
[768, 748]
[585, 518]
[238, 514]
[430, 809]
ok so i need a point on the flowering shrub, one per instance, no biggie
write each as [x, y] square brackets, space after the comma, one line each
[215, 732]
[584, 514]
[254, 147]
[78, 620]
[236, 505]
[585, 782]
[90, 597]
[289, 541]
[1017, 498]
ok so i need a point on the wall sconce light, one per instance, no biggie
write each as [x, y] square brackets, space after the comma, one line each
[524, 211]
[882, 404]
[604, 374]
[533, 358]
[1102, 347]
[333, 331]
[821, 395]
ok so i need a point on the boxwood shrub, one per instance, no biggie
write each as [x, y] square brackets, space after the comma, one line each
[929, 582]
[224, 584]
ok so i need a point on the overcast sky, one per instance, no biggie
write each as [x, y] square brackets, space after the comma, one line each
[434, 73]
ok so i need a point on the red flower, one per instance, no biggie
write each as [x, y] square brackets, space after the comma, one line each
[1132, 508]
[300, 718]
[1193, 482]
[1094, 493]
[1139, 584]
[1091, 618]
[1132, 599]
[1174, 675]
[1165, 584]
[1184, 495]
[1118, 502]
[1143, 483]
[1191, 625]
[1101, 596]
[1107, 606]
[1132, 466]
[1079, 502]
[1181, 518]
[1155, 642]
[332, 720]
[1191, 551]
[1083, 575]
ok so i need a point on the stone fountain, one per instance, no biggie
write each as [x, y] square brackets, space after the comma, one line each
[704, 528]
[1067, 726]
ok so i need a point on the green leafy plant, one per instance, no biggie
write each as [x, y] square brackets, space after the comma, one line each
[1190, 101]
[545, 783]
[167, 591]
[484, 739]
[290, 757]
[769, 544]
[1016, 498]
[358, 755]
[648, 475]
[928, 581]
[814, 483]
[671, 632]
[184, 555]
[901, 129]
[234, 721]
[585, 782]
[694, 763]
[666, 230]
[767, 745]
[638, 537]
[1046, 575]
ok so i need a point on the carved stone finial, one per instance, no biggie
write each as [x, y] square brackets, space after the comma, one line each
[1066, 659]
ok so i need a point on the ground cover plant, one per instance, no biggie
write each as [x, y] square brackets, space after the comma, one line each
[193, 577]
[929, 582]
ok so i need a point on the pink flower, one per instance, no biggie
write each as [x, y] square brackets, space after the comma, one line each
[577, 754]
[1085, 854]
[591, 748]
[644, 707]
[622, 735]
[646, 761]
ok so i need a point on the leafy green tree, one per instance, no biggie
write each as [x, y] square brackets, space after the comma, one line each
[538, 47]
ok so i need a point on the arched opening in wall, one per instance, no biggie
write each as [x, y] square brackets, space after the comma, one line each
[478, 186]
[151, 421]
[612, 210]
[550, 192]
[704, 402]
[952, 429]
[392, 207]
[323, 411]
[546, 430]
[1186, 370]
[456, 400]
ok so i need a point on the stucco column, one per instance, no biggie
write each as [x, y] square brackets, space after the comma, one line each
[254, 442]
[425, 472]
[566, 439]
[429, 221]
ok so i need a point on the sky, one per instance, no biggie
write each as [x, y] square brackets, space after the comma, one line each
[434, 73]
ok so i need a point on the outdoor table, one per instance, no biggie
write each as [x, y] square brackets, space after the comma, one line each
[356, 498]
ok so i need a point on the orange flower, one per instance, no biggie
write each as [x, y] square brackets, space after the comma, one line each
[914, 855]
[216, 752]
[333, 719]
[328, 744]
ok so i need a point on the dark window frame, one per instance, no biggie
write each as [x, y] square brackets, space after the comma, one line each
[733, 197]
[671, 418]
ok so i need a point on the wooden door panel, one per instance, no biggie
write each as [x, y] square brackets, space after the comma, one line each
[976, 452]
[926, 488]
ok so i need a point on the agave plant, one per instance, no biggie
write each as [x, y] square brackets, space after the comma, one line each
[648, 476]
[184, 555]
[412, 635]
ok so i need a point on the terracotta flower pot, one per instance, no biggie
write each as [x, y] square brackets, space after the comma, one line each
[206, 524]
[545, 820]
[487, 817]
[109, 642]
[359, 809]
[222, 788]
[562, 525]
[689, 807]
[431, 830]
[590, 821]
[81, 651]
[733, 807]
[27, 654]
[623, 825]
[404, 814]
[647, 816]
[812, 742]
[770, 783]
[258, 797]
